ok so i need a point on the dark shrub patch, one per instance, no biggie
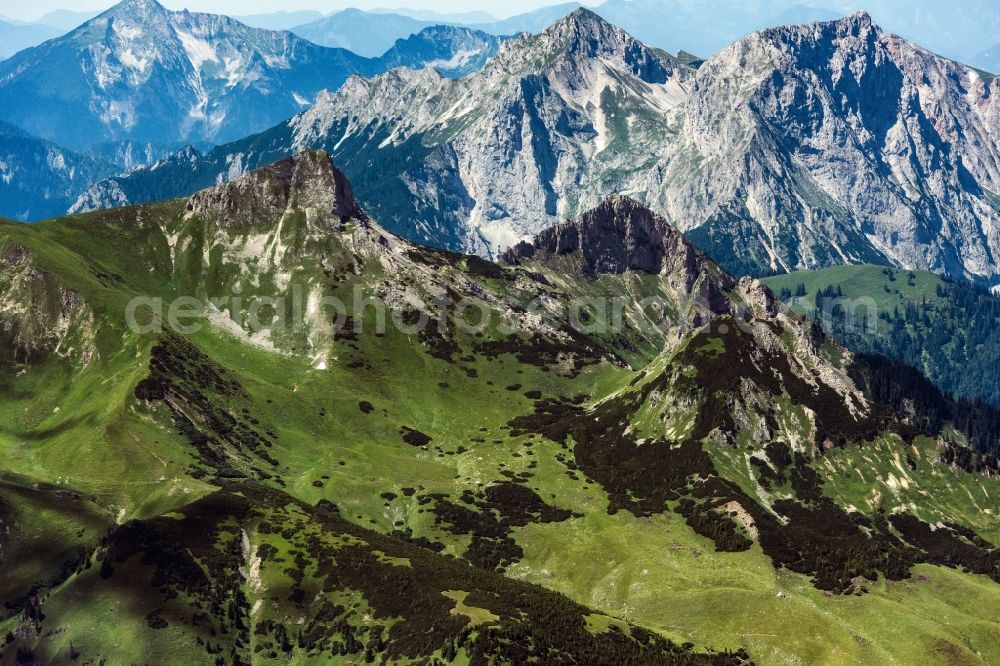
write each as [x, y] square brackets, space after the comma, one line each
[415, 437]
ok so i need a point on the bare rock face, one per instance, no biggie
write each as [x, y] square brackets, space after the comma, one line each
[619, 235]
[306, 181]
[797, 147]
[833, 143]
[39, 315]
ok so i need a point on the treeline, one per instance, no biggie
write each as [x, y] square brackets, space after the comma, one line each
[903, 388]
[954, 340]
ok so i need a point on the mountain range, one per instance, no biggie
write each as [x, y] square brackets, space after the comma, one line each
[365, 33]
[281, 20]
[448, 153]
[795, 148]
[965, 30]
[141, 73]
[709, 480]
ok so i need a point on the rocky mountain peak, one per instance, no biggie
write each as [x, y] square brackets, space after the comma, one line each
[618, 236]
[849, 36]
[861, 20]
[136, 8]
[581, 21]
[622, 235]
[577, 39]
[306, 182]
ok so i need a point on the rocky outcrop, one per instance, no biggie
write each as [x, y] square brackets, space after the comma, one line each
[38, 314]
[307, 181]
[622, 236]
[618, 236]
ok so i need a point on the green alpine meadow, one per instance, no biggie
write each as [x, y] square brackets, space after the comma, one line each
[252, 426]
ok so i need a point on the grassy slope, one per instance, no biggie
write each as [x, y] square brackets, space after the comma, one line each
[654, 571]
[860, 281]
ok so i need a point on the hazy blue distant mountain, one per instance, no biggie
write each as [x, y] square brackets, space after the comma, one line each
[17, 36]
[138, 83]
[139, 73]
[401, 41]
[65, 20]
[279, 20]
[988, 60]
[364, 33]
[533, 22]
[39, 179]
[452, 50]
[371, 33]
[440, 17]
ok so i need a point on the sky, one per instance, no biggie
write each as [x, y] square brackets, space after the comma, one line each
[27, 11]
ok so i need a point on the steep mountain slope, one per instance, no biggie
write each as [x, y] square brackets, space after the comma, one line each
[798, 147]
[38, 179]
[171, 409]
[549, 127]
[835, 143]
[701, 464]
